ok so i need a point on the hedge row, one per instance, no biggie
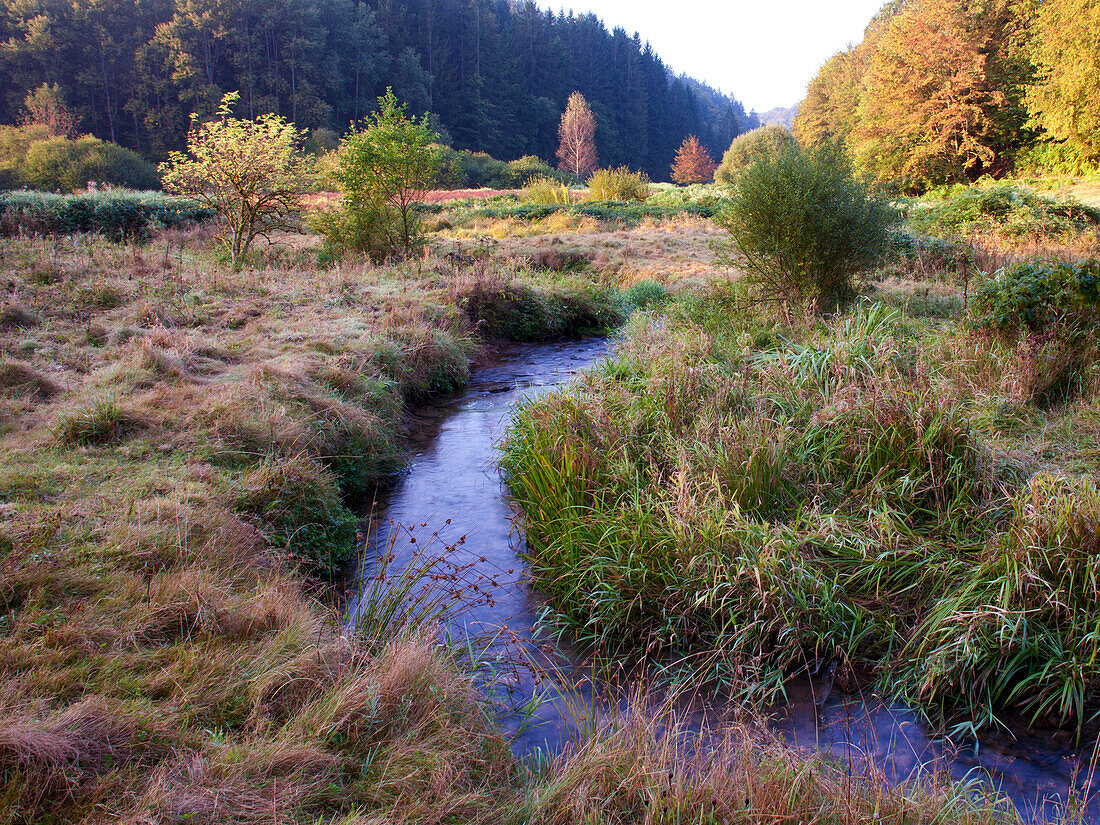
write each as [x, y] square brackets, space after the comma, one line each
[120, 215]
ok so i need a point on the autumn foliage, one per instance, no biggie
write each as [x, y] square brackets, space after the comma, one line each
[577, 138]
[946, 91]
[693, 162]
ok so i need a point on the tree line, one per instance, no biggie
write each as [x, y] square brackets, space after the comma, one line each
[495, 74]
[943, 91]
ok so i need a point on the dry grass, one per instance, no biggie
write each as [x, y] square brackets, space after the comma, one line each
[162, 659]
[643, 765]
[677, 250]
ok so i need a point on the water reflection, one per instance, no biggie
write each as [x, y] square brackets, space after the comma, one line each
[451, 501]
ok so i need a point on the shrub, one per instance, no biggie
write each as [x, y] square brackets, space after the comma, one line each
[119, 215]
[1050, 310]
[1036, 296]
[529, 167]
[802, 225]
[618, 184]
[384, 169]
[1005, 210]
[30, 156]
[546, 190]
[68, 165]
[750, 147]
[299, 501]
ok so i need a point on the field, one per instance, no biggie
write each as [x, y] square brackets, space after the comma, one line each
[186, 449]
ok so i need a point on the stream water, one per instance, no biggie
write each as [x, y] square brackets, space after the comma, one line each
[451, 503]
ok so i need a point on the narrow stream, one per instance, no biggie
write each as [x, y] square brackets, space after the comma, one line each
[451, 502]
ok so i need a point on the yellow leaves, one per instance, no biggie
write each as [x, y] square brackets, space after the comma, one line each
[250, 171]
[930, 107]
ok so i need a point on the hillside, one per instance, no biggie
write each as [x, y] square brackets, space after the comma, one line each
[779, 117]
[496, 75]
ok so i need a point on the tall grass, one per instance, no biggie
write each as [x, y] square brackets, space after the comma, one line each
[790, 498]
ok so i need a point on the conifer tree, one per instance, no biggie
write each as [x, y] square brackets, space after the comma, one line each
[693, 163]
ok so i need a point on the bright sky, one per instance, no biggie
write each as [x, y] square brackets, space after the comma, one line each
[762, 52]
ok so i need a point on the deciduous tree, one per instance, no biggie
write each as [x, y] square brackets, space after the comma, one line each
[45, 106]
[385, 167]
[936, 106]
[577, 138]
[1065, 100]
[251, 172]
[693, 163]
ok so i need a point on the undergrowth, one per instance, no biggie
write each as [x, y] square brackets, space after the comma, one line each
[773, 496]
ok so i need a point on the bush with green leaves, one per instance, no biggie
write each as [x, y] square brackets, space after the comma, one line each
[619, 184]
[31, 157]
[802, 225]
[384, 168]
[1006, 210]
[1040, 296]
[746, 149]
[119, 215]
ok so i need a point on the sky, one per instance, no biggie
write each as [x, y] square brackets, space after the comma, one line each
[762, 52]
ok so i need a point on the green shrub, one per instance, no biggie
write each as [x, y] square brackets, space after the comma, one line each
[750, 147]
[31, 157]
[618, 184]
[1005, 210]
[524, 169]
[1038, 296]
[546, 190]
[299, 502]
[68, 165]
[119, 215]
[384, 169]
[1049, 311]
[477, 170]
[802, 225]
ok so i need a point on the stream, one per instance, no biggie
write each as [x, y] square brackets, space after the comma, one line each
[451, 502]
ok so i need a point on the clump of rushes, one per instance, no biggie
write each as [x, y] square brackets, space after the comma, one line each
[1021, 626]
[298, 501]
[775, 499]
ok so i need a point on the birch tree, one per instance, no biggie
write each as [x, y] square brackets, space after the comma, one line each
[577, 138]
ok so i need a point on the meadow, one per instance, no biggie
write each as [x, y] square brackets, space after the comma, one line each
[187, 450]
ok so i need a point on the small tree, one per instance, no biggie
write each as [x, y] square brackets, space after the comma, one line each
[251, 172]
[384, 170]
[802, 225]
[46, 107]
[577, 137]
[693, 162]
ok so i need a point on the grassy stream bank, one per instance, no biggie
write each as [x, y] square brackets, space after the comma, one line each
[181, 444]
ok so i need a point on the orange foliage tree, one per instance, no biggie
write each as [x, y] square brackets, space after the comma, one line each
[693, 162]
[577, 138]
